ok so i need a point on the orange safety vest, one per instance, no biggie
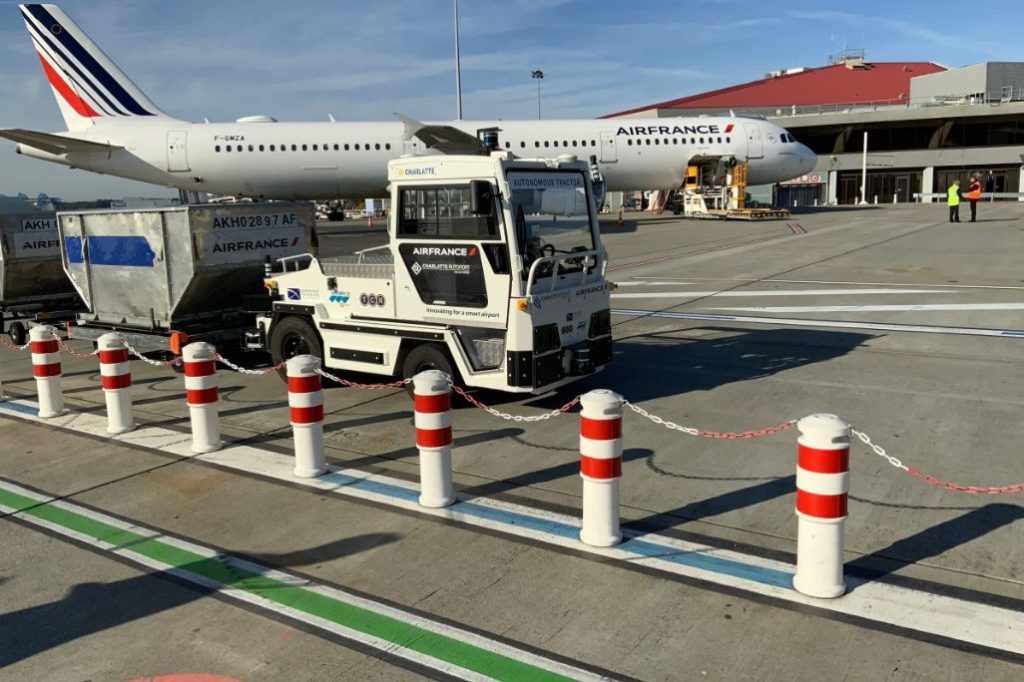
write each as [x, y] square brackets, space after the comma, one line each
[974, 193]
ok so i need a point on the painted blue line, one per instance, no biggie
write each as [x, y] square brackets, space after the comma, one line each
[1016, 333]
[16, 407]
[708, 562]
[646, 548]
[705, 562]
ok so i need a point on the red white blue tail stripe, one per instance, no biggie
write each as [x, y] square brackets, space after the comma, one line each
[80, 74]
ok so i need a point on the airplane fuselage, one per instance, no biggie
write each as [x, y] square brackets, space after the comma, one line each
[275, 160]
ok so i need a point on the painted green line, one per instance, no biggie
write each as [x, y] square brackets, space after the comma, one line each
[434, 645]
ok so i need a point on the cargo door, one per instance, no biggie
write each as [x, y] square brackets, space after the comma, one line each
[177, 151]
[755, 145]
[72, 246]
[609, 153]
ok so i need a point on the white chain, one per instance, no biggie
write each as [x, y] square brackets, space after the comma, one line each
[243, 370]
[148, 361]
[505, 415]
[879, 450]
[688, 430]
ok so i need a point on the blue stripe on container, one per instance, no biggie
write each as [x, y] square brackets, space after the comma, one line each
[128, 251]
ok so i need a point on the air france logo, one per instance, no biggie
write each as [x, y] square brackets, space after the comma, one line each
[674, 130]
[462, 251]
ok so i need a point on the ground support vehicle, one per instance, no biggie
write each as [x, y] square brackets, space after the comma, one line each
[33, 286]
[494, 273]
[163, 277]
[715, 187]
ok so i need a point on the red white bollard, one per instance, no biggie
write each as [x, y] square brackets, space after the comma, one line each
[46, 369]
[201, 390]
[116, 374]
[306, 405]
[601, 467]
[822, 484]
[433, 396]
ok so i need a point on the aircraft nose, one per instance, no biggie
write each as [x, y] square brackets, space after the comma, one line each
[808, 159]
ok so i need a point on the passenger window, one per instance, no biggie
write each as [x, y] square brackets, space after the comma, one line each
[346, 147]
[593, 143]
[648, 142]
[356, 146]
[629, 142]
[261, 147]
[377, 146]
[228, 148]
[315, 148]
[217, 148]
[522, 145]
[272, 148]
[675, 140]
[546, 143]
[250, 147]
[536, 143]
[657, 141]
[387, 146]
[565, 143]
[728, 140]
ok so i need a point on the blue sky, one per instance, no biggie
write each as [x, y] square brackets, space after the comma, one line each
[303, 60]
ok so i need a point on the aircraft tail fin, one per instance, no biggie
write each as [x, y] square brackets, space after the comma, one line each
[86, 83]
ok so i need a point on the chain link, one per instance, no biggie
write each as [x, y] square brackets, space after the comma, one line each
[879, 450]
[250, 372]
[931, 480]
[371, 387]
[703, 433]
[176, 360]
[10, 345]
[513, 417]
[66, 346]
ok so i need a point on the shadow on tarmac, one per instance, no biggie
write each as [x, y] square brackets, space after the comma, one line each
[933, 541]
[713, 506]
[659, 365]
[90, 608]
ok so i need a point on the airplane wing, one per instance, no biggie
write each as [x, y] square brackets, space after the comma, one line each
[441, 138]
[55, 144]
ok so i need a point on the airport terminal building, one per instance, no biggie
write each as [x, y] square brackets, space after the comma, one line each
[924, 124]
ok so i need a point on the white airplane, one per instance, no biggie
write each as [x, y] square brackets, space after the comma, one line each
[114, 128]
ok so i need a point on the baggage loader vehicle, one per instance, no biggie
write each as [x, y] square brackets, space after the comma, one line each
[163, 277]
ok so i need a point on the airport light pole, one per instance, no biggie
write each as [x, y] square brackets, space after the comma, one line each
[458, 67]
[538, 76]
[864, 171]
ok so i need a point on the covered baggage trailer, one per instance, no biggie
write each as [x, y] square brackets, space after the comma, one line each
[33, 286]
[165, 276]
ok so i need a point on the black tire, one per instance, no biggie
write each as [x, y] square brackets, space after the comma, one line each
[423, 357]
[293, 336]
[18, 333]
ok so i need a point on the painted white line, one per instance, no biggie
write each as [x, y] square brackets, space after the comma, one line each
[823, 281]
[827, 324]
[934, 614]
[778, 293]
[248, 595]
[925, 307]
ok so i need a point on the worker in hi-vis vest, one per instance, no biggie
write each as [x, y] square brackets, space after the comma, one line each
[953, 199]
[973, 195]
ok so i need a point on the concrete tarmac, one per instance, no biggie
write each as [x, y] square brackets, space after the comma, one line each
[937, 387]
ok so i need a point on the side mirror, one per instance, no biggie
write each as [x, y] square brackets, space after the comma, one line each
[481, 197]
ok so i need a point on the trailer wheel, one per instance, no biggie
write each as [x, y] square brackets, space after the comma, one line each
[19, 335]
[290, 337]
[423, 357]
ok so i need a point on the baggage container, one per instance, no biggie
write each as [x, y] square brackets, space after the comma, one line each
[186, 269]
[33, 286]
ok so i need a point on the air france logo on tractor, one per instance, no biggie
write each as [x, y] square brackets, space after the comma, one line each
[463, 251]
[702, 129]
